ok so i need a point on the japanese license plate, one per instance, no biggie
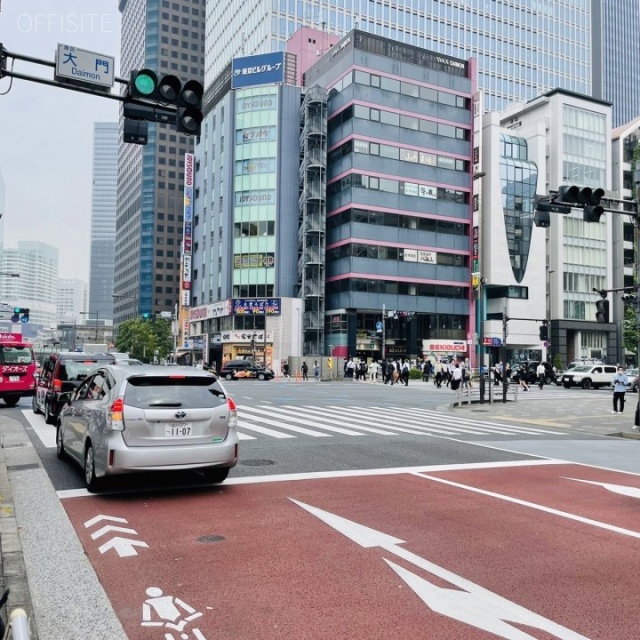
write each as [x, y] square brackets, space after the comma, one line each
[178, 430]
[14, 378]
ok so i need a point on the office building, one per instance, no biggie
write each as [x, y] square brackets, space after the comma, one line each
[361, 209]
[72, 301]
[103, 217]
[616, 57]
[3, 195]
[575, 133]
[37, 286]
[167, 37]
[523, 48]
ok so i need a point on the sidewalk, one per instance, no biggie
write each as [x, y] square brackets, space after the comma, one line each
[36, 539]
[592, 413]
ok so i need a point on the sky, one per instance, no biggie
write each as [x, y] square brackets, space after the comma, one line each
[46, 133]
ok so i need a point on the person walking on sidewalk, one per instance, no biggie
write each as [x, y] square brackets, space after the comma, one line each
[636, 421]
[305, 371]
[620, 382]
[540, 373]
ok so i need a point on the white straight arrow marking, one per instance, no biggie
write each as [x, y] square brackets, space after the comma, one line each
[123, 546]
[110, 527]
[474, 605]
[631, 492]
[90, 523]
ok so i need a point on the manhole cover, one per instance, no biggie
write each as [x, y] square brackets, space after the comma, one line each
[22, 467]
[257, 462]
[208, 539]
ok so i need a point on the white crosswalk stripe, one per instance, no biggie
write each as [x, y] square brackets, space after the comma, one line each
[293, 421]
[353, 421]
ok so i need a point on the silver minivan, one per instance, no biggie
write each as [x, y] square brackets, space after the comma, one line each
[125, 419]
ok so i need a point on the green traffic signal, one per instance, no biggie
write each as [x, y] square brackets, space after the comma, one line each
[145, 83]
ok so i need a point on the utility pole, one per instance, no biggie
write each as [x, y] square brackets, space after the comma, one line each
[384, 327]
[505, 333]
[636, 226]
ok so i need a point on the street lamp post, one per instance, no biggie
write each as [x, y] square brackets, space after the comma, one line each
[549, 310]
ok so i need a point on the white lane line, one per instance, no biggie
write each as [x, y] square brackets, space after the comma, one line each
[245, 436]
[532, 505]
[265, 431]
[280, 424]
[350, 473]
[328, 416]
[44, 431]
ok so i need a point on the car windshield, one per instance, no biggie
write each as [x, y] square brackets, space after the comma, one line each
[17, 355]
[581, 367]
[631, 372]
[197, 392]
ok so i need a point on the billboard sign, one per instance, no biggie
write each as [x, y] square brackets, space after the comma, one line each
[265, 68]
[187, 240]
[256, 306]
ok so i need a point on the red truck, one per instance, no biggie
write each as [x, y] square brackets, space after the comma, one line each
[17, 369]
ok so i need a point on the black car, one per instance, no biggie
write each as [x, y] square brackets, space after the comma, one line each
[531, 376]
[245, 369]
[62, 372]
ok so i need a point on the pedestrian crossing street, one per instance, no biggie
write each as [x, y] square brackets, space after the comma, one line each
[294, 421]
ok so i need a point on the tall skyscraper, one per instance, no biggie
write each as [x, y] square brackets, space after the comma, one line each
[167, 37]
[2, 211]
[37, 286]
[523, 48]
[72, 301]
[103, 217]
[616, 56]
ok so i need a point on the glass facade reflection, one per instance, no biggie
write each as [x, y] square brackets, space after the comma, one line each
[523, 48]
[518, 177]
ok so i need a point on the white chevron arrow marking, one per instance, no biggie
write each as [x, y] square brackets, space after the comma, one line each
[631, 492]
[468, 603]
[90, 523]
[108, 528]
[123, 546]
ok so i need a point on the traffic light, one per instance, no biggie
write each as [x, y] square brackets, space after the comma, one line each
[20, 315]
[189, 114]
[629, 298]
[149, 316]
[544, 205]
[585, 197]
[544, 332]
[602, 311]
[135, 132]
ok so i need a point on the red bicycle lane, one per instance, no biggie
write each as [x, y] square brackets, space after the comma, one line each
[388, 556]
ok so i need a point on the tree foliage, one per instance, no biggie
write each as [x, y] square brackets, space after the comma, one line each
[142, 338]
[631, 333]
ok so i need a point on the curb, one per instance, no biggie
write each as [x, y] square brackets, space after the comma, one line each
[14, 572]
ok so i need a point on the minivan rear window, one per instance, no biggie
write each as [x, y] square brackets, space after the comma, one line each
[149, 392]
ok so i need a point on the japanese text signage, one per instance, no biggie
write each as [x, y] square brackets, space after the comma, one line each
[256, 306]
[189, 166]
[266, 68]
[86, 68]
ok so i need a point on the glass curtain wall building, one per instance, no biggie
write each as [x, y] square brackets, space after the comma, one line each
[523, 48]
[103, 217]
[616, 56]
[167, 37]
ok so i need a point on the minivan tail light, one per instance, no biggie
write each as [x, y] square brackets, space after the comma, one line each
[57, 385]
[116, 420]
[233, 413]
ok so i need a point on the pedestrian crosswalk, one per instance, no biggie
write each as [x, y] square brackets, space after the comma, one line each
[263, 421]
[293, 421]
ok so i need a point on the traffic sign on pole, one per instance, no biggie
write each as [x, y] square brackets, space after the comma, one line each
[84, 68]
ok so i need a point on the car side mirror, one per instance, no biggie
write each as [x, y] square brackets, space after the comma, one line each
[66, 397]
